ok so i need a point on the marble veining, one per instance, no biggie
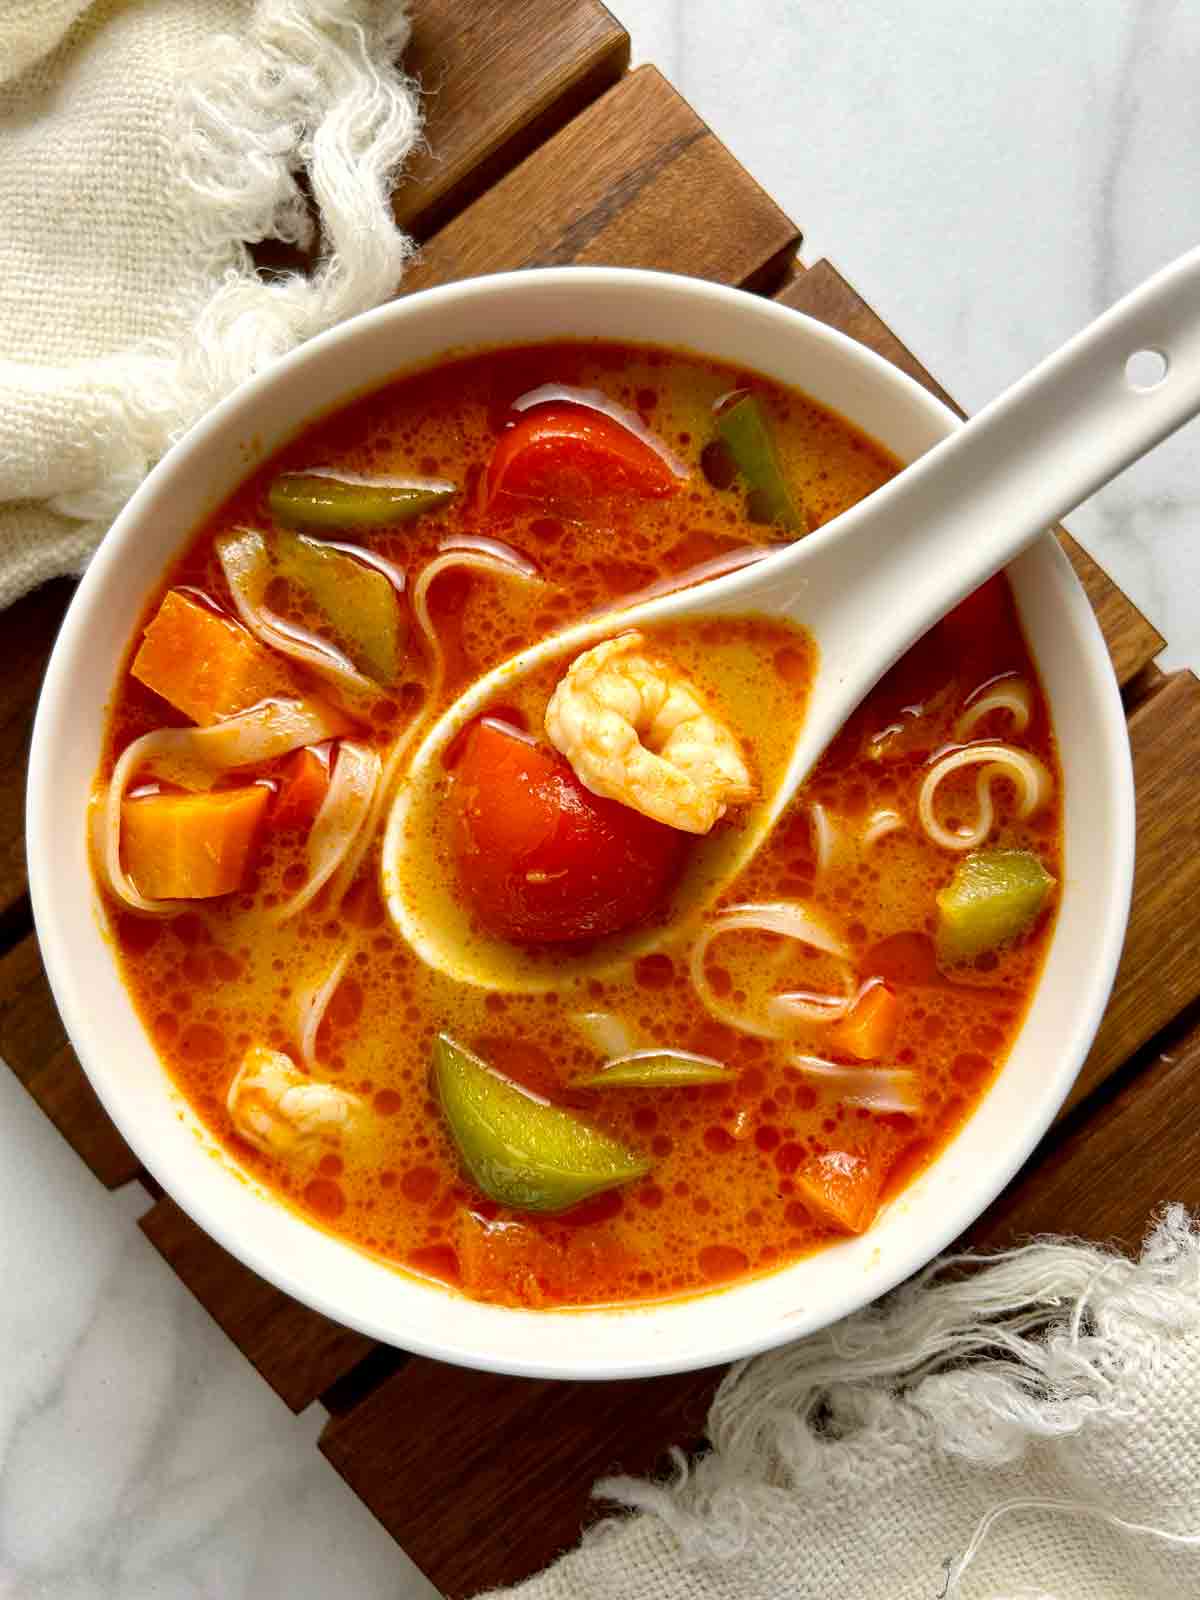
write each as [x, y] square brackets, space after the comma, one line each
[989, 176]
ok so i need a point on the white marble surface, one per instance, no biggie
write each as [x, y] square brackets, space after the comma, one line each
[989, 174]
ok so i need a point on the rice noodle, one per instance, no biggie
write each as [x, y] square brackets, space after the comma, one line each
[395, 575]
[476, 556]
[605, 1032]
[476, 553]
[1003, 694]
[876, 1088]
[1033, 784]
[343, 815]
[879, 825]
[830, 844]
[194, 758]
[246, 563]
[314, 1006]
[791, 921]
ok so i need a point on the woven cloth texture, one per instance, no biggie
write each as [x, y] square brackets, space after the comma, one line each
[141, 147]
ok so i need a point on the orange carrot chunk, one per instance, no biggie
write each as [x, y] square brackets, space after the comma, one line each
[204, 664]
[302, 788]
[868, 1030]
[191, 846]
[841, 1189]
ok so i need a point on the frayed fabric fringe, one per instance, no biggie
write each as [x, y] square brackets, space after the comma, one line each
[983, 1398]
[310, 90]
[235, 123]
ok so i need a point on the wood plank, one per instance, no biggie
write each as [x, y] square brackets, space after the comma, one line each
[507, 1486]
[30, 628]
[1159, 973]
[298, 1351]
[636, 180]
[491, 95]
[1113, 1169]
[823, 293]
[35, 1046]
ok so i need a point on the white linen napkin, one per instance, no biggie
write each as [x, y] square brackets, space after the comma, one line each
[141, 145]
[1020, 1428]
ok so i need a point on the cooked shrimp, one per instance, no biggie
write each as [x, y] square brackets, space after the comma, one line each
[281, 1111]
[635, 731]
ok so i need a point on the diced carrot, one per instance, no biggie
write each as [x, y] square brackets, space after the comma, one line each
[206, 665]
[841, 1188]
[302, 788]
[868, 1030]
[191, 846]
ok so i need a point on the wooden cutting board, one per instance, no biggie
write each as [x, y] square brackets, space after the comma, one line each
[545, 149]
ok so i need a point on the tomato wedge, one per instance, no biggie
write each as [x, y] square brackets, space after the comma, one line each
[540, 857]
[568, 453]
[303, 786]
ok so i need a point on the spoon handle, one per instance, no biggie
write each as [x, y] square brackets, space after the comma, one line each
[977, 499]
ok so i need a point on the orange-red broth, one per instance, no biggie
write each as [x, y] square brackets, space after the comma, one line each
[720, 1202]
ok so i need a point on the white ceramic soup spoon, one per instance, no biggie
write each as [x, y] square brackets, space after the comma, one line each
[866, 586]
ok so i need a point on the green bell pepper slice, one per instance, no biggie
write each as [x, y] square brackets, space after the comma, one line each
[993, 896]
[747, 433]
[320, 500]
[520, 1150]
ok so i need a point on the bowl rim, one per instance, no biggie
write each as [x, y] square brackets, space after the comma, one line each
[53, 915]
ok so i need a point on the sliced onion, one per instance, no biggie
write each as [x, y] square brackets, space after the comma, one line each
[195, 758]
[477, 556]
[597, 400]
[343, 815]
[395, 575]
[831, 847]
[359, 846]
[877, 1088]
[246, 563]
[1033, 784]
[649, 1069]
[314, 1006]
[879, 825]
[606, 1032]
[1004, 694]
[791, 921]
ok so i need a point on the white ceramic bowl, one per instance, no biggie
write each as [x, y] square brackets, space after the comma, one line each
[333, 1277]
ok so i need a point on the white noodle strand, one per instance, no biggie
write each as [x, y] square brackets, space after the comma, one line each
[790, 921]
[1033, 785]
[344, 811]
[507, 565]
[195, 758]
[246, 564]
[876, 1088]
[314, 1006]
[831, 847]
[1008, 694]
[879, 825]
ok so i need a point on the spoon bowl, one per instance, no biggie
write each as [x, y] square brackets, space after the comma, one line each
[866, 586]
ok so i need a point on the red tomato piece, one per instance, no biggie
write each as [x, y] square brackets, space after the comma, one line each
[541, 857]
[302, 788]
[562, 452]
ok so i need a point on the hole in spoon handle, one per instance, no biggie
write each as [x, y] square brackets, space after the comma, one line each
[1146, 370]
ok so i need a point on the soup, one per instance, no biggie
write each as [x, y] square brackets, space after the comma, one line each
[676, 1088]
